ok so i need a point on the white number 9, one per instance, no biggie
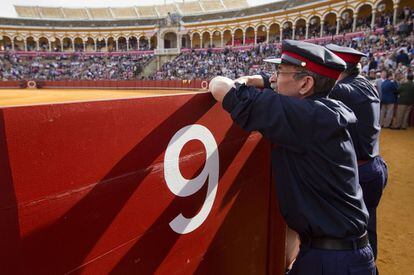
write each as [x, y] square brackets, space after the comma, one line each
[183, 187]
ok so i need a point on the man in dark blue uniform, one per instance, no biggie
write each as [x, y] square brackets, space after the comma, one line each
[314, 162]
[363, 99]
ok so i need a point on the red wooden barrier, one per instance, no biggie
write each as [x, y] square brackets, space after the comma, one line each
[46, 83]
[197, 83]
[90, 192]
[53, 84]
[120, 84]
[129, 84]
[9, 84]
[178, 84]
[163, 83]
[194, 84]
[113, 84]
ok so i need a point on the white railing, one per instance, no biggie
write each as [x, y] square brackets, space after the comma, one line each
[167, 51]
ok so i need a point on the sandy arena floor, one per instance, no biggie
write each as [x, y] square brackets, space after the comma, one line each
[17, 97]
[396, 211]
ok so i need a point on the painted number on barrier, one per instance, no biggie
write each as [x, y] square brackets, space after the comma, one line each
[183, 187]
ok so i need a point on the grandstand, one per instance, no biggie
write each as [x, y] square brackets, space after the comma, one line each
[232, 22]
[165, 31]
[187, 8]
[74, 14]
[163, 10]
[146, 12]
[123, 80]
[212, 5]
[135, 12]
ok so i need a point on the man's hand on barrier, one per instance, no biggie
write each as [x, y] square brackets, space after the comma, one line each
[220, 86]
[243, 80]
[251, 80]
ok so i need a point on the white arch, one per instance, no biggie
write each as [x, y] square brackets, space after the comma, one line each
[346, 8]
[360, 5]
[329, 12]
[274, 23]
[286, 21]
[259, 25]
[194, 33]
[314, 15]
[248, 27]
[238, 28]
[209, 32]
[377, 3]
[214, 31]
[139, 37]
[15, 36]
[297, 19]
[162, 34]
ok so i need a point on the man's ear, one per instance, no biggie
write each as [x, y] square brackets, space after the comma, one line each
[307, 86]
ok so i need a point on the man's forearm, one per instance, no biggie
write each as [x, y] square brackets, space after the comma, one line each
[256, 81]
[252, 80]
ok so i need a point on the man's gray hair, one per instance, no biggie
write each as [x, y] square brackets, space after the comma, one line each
[352, 69]
[322, 84]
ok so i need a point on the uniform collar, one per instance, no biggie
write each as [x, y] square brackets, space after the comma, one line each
[319, 95]
[349, 78]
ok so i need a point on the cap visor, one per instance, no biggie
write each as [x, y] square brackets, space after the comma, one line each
[273, 60]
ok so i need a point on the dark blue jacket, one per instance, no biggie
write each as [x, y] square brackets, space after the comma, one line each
[389, 92]
[314, 162]
[357, 93]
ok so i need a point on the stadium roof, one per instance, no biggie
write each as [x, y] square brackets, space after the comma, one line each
[132, 12]
[122, 20]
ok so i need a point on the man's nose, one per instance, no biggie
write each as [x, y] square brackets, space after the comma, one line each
[273, 81]
[273, 78]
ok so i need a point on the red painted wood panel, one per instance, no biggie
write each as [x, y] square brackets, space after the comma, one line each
[83, 190]
[9, 84]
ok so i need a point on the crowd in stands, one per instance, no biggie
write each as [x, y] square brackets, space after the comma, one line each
[389, 63]
[72, 66]
[209, 63]
[101, 46]
[392, 49]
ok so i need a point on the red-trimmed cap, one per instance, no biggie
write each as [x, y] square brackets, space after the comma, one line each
[313, 66]
[313, 57]
[349, 55]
